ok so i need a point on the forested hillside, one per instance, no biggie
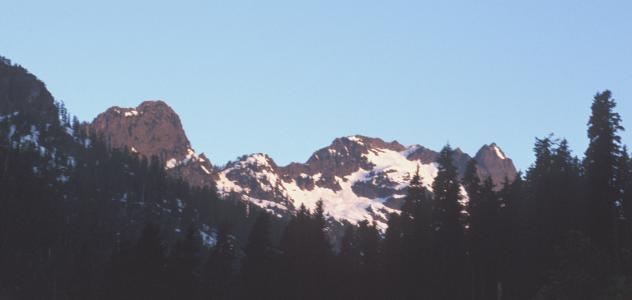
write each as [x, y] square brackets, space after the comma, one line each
[70, 206]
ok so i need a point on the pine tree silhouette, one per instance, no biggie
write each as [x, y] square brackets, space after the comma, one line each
[450, 248]
[600, 163]
[258, 261]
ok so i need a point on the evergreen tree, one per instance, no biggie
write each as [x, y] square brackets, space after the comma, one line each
[306, 254]
[600, 163]
[348, 249]
[475, 230]
[258, 260]
[414, 196]
[471, 181]
[579, 274]
[553, 206]
[625, 180]
[417, 217]
[218, 270]
[393, 257]
[485, 233]
[513, 241]
[449, 250]
[346, 266]
[322, 246]
[367, 244]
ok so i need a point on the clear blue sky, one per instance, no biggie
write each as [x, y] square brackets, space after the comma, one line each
[287, 77]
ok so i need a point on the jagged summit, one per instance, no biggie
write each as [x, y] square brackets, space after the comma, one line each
[154, 129]
[357, 177]
[372, 142]
[493, 162]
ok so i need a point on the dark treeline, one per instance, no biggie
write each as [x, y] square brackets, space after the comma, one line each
[81, 221]
[561, 231]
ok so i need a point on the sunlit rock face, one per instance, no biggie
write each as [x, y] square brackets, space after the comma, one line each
[154, 129]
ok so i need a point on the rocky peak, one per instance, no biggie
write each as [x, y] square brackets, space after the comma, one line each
[257, 162]
[256, 177]
[492, 162]
[154, 129]
[341, 158]
[422, 154]
[375, 143]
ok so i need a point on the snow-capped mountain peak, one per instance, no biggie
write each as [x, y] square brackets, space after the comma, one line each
[357, 177]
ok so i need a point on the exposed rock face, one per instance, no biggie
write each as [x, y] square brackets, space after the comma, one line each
[492, 162]
[357, 177]
[154, 129]
[342, 158]
[423, 154]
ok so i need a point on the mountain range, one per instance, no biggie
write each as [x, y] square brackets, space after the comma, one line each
[357, 177]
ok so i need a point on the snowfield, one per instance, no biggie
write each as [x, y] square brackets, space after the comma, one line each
[343, 204]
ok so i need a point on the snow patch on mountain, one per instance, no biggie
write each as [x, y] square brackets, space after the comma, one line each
[131, 113]
[171, 163]
[343, 204]
[399, 169]
[190, 156]
[499, 152]
[393, 169]
[356, 139]
[226, 186]
[205, 170]
[410, 150]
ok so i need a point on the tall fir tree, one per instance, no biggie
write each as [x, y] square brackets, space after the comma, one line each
[600, 164]
[484, 235]
[449, 227]
[417, 269]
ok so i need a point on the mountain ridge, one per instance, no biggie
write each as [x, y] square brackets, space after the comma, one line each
[357, 177]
